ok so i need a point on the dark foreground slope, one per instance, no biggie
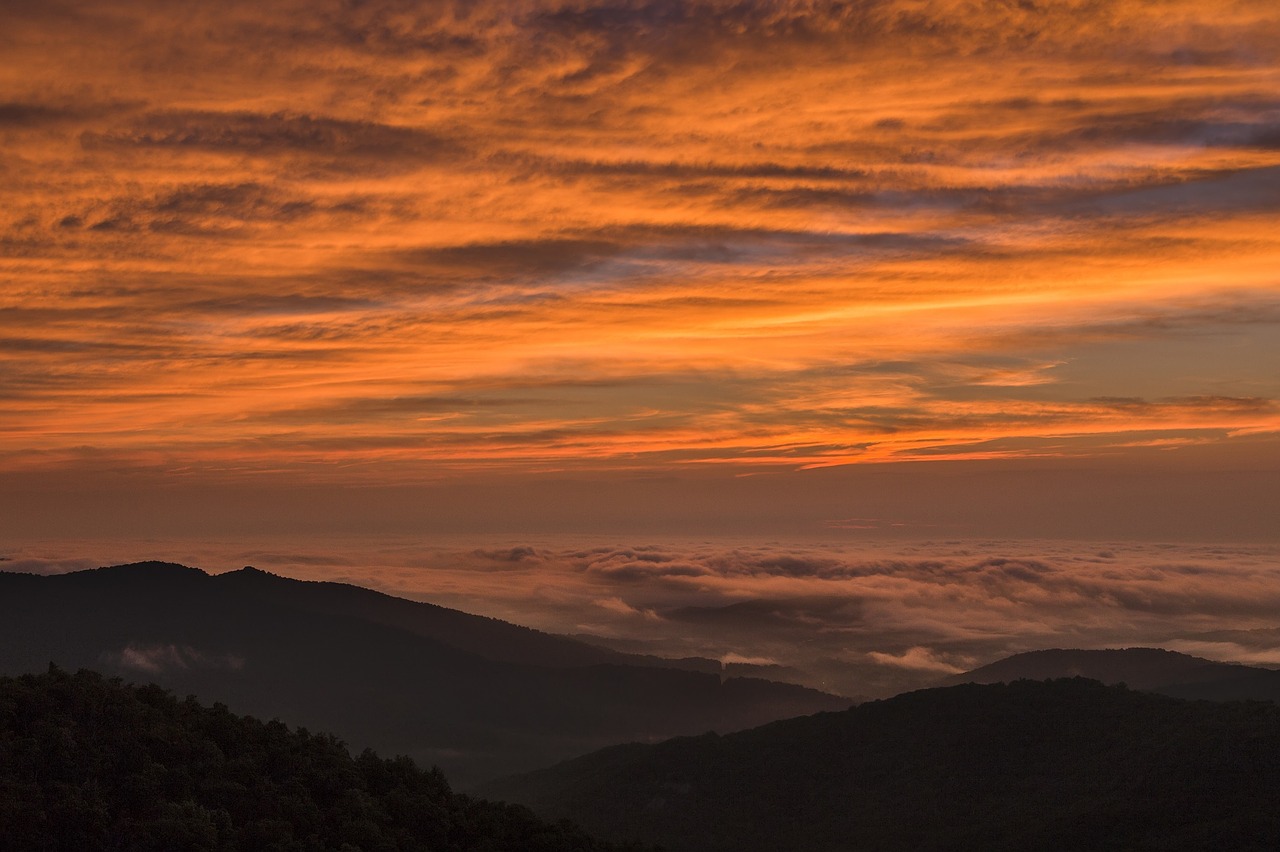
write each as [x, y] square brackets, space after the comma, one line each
[1058, 765]
[86, 763]
[446, 688]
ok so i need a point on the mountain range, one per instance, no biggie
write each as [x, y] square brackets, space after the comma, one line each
[1042, 750]
[475, 696]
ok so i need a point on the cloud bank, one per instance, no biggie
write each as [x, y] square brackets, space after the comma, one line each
[862, 620]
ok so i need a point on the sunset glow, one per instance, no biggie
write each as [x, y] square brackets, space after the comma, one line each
[385, 243]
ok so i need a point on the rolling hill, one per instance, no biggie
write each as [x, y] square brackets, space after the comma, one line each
[1045, 765]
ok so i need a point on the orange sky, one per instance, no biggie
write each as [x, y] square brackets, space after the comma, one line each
[459, 246]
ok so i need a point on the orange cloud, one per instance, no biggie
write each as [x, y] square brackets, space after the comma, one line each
[378, 241]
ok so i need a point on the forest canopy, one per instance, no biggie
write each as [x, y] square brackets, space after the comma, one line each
[88, 762]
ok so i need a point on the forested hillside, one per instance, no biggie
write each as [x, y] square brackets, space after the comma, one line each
[87, 763]
[477, 697]
[1057, 765]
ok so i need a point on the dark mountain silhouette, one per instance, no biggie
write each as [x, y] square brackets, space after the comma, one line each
[488, 637]
[377, 670]
[87, 763]
[1045, 765]
[1151, 669]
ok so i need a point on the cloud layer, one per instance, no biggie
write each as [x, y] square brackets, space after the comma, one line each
[392, 241]
[863, 620]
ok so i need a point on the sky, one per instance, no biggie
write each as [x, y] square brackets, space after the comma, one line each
[590, 265]
[892, 333]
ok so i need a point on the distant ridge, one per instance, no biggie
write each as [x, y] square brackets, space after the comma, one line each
[1139, 668]
[151, 571]
[477, 696]
[489, 637]
[1151, 669]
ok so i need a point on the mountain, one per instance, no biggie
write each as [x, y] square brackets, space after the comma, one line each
[475, 696]
[87, 763]
[1046, 765]
[1151, 669]
[487, 637]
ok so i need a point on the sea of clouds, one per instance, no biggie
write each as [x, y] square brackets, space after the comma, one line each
[862, 619]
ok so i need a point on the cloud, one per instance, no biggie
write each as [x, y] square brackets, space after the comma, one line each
[295, 558]
[732, 659]
[511, 554]
[1230, 652]
[360, 243]
[630, 565]
[16, 114]
[347, 144]
[504, 260]
[917, 659]
[618, 606]
[153, 659]
[865, 618]
[37, 565]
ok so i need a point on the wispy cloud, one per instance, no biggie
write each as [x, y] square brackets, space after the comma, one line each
[376, 240]
[153, 659]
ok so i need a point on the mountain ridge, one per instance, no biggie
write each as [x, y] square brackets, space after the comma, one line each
[1151, 669]
[317, 654]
